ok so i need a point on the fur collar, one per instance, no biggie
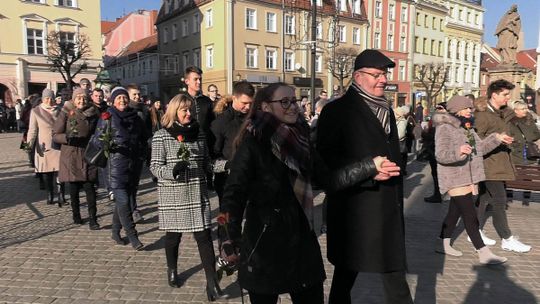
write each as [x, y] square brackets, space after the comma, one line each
[445, 118]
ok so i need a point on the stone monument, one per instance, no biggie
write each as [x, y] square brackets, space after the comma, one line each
[508, 32]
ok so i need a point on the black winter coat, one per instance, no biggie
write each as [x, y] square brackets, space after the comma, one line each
[202, 111]
[225, 128]
[130, 139]
[365, 221]
[288, 257]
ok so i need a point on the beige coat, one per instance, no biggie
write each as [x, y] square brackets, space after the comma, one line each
[47, 156]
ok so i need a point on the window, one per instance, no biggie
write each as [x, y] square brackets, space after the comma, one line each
[449, 54]
[68, 3]
[378, 9]
[433, 48]
[166, 68]
[402, 44]
[185, 60]
[474, 54]
[318, 63]
[392, 11]
[319, 2]
[418, 16]
[35, 1]
[196, 24]
[342, 5]
[289, 61]
[165, 35]
[197, 57]
[424, 46]
[458, 51]
[377, 40]
[174, 31]
[402, 72]
[452, 12]
[441, 50]
[476, 19]
[342, 30]
[426, 21]
[271, 22]
[356, 35]
[441, 24]
[176, 66]
[35, 41]
[404, 14]
[357, 7]
[319, 30]
[209, 56]
[417, 46]
[251, 19]
[271, 59]
[456, 78]
[289, 25]
[460, 16]
[209, 18]
[151, 66]
[466, 52]
[434, 23]
[469, 17]
[390, 44]
[251, 57]
[67, 37]
[185, 28]
[390, 75]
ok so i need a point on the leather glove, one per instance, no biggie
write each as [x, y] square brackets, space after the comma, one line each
[229, 252]
[180, 167]
[73, 141]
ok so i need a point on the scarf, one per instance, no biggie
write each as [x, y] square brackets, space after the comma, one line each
[464, 122]
[290, 144]
[379, 106]
[190, 131]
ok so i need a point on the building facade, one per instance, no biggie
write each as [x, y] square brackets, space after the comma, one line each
[258, 41]
[463, 43]
[23, 66]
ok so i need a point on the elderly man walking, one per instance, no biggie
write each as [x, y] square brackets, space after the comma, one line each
[365, 221]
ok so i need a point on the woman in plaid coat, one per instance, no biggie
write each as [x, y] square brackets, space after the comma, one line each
[180, 161]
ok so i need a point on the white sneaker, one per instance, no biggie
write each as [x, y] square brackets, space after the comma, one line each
[485, 239]
[513, 244]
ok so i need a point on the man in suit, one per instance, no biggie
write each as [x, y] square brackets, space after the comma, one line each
[365, 221]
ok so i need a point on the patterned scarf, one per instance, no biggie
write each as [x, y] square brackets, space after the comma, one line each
[290, 144]
[379, 106]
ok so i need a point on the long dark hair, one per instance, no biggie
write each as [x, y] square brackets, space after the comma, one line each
[263, 95]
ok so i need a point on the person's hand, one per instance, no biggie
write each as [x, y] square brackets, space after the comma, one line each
[505, 139]
[386, 169]
[180, 167]
[465, 149]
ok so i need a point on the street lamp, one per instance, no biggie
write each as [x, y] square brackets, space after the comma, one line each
[238, 76]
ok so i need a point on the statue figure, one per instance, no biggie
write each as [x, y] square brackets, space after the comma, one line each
[508, 33]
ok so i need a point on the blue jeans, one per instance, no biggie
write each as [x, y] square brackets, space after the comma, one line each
[122, 213]
[134, 184]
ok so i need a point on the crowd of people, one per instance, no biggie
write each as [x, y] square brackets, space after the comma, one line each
[262, 151]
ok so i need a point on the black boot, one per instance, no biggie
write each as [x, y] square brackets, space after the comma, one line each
[92, 223]
[50, 198]
[172, 277]
[213, 291]
[117, 238]
[435, 198]
[135, 242]
[61, 194]
[75, 209]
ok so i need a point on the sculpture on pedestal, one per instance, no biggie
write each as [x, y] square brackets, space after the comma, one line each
[508, 33]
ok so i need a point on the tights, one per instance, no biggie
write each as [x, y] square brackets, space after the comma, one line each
[462, 205]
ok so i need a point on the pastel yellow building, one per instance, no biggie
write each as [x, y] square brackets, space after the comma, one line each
[258, 41]
[24, 26]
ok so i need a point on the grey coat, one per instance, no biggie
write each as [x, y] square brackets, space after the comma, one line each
[454, 169]
[183, 205]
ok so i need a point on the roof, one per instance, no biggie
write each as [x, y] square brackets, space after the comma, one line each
[106, 26]
[140, 45]
[527, 58]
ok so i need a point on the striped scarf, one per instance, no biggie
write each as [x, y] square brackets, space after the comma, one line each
[379, 106]
[290, 144]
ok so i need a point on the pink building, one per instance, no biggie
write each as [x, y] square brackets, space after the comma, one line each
[119, 34]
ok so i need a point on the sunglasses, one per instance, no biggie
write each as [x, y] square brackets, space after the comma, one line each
[286, 102]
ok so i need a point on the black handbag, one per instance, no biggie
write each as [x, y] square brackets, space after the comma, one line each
[532, 149]
[94, 155]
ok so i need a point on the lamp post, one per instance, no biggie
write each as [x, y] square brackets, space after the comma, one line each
[313, 52]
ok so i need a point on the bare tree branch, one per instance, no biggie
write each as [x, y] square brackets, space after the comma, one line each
[64, 55]
[432, 76]
[341, 63]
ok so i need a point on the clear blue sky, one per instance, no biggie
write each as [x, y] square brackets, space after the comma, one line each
[529, 10]
[112, 9]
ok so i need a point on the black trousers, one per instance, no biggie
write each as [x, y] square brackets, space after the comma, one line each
[433, 166]
[311, 295]
[462, 206]
[74, 188]
[396, 289]
[493, 193]
[204, 244]
[219, 184]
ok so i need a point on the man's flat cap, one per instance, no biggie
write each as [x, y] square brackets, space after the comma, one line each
[372, 59]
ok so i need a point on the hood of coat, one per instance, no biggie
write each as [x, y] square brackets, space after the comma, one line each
[445, 118]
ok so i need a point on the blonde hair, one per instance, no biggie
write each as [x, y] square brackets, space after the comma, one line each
[179, 101]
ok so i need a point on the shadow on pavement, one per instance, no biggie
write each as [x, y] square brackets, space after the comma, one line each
[493, 286]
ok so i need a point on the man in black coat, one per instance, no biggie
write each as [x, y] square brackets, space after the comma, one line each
[225, 128]
[365, 221]
[201, 109]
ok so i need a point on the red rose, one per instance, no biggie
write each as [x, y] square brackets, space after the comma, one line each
[105, 115]
[180, 138]
[71, 113]
[468, 125]
[223, 219]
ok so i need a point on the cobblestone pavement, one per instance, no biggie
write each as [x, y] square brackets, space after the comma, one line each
[44, 258]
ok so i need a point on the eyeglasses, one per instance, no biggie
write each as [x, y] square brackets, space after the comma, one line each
[213, 91]
[286, 102]
[376, 76]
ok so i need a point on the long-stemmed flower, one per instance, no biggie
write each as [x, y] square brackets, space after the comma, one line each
[183, 152]
[227, 267]
[470, 136]
[72, 122]
[107, 136]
